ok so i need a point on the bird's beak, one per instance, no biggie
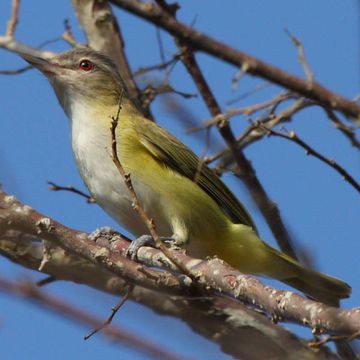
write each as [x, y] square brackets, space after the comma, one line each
[44, 65]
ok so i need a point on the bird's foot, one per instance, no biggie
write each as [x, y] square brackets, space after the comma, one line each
[145, 240]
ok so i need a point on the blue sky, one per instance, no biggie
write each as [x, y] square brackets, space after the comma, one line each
[320, 209]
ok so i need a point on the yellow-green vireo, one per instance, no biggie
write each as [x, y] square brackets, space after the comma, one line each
[201, 215]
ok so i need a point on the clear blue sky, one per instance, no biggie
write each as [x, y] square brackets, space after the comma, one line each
[321, 210]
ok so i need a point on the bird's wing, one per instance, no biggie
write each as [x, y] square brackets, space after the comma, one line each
[166, 148]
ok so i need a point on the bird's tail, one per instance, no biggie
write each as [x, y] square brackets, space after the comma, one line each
[316, 285]
[249, 254]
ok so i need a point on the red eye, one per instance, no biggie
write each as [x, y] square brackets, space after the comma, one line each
[86, 65]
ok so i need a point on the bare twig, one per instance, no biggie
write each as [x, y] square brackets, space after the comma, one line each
[348, 131]
[68, 35]
[248, 110]
[272, 102]
[253, 133]
[162, 66]
[13, 18]
[150, 93]
[114, 310]
[161, 45]
[326, 339]
[55, 187]
[258, 88]
[46, 281]
[16, 72]
[291, 136]
[309, 75]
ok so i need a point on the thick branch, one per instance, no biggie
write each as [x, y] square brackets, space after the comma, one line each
[16, 216]
[212, 276]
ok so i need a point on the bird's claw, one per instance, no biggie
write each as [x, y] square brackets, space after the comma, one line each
[145, 240]
[135, 245]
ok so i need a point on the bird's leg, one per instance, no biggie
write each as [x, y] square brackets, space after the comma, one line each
[146, 240]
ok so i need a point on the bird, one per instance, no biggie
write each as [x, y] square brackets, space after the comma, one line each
[188, 203]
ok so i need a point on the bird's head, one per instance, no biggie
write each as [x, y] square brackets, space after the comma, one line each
[81, 75]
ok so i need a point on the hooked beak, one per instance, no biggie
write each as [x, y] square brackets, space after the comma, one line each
[44, 65]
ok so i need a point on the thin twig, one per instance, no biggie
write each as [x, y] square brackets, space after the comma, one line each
[17, 71]
[291, 136]
[326, 339]
[114, 311]
[253, 133]
[11, 25]
[68, 35]
[309, 75]
[45, 281]
[161, 66]
[248, 110]
[161, 45]
[247, 94]
[348, 131]
[55, 187]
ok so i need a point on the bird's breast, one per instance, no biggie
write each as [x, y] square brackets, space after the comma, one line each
[91, 144]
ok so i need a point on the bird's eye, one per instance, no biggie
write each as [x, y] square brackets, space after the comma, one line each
[86, 65]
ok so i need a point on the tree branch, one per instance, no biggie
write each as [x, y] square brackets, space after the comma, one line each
[212, 276]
